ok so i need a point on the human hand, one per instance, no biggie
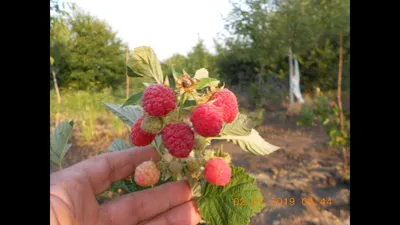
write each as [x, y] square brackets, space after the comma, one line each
[73, 194]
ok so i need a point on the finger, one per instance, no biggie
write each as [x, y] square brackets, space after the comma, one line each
[142, 205]
[185, 214]
[104, 169]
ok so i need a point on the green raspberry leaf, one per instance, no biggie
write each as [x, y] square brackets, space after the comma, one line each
[119, 184]
[146, 84]
[118, 145]
[175, 74]
[189, 103]
[204, 82]
[157, 142]
[133, 99]
[130, 71]
[131, 186]
[240, 127]
[59, 141]
[130, 139]
[253, 143]
[144, 63]
[129, 114]
[233, 204]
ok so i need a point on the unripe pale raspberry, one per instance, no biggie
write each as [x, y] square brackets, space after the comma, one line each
[147, 174]
[200, 142]
[217, 172]
[207, 120]
[175, 167]
[228, 102]
[152, 124]
[168, 157]
[192, 164]
[161, 165]
[208, 154]
[158, 100]
[140, 137]
[178, 138]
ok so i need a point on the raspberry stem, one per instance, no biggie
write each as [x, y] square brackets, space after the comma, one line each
[217, 138]
[183, 99]
[164, 120]
[156, 147]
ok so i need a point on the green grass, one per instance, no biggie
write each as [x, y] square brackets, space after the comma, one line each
[317, 106]
[92, 118]
[257, 115]
[306, 116]
[87, 110]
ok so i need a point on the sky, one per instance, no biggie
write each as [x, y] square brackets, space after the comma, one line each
[168, 26]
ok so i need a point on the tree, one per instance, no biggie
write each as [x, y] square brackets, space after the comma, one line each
[265, 30]
[60, 39]
[97, 55]
[177, 61]
[234, 65]
[55, 80]
[199, 57]
[58, 11]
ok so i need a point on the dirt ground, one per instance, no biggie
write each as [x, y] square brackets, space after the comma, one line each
[305, 167]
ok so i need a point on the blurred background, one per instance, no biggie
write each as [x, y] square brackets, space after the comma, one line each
[255, 47]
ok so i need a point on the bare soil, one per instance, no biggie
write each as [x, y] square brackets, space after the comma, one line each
[305, 168]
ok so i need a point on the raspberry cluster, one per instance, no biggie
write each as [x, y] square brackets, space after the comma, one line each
[180, 137]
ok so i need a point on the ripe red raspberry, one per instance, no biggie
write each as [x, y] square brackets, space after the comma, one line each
[217, 171]
[207, 120]
[228, 102]
[147, 174]
[178, 138]
[158, 100]
[140, 137]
